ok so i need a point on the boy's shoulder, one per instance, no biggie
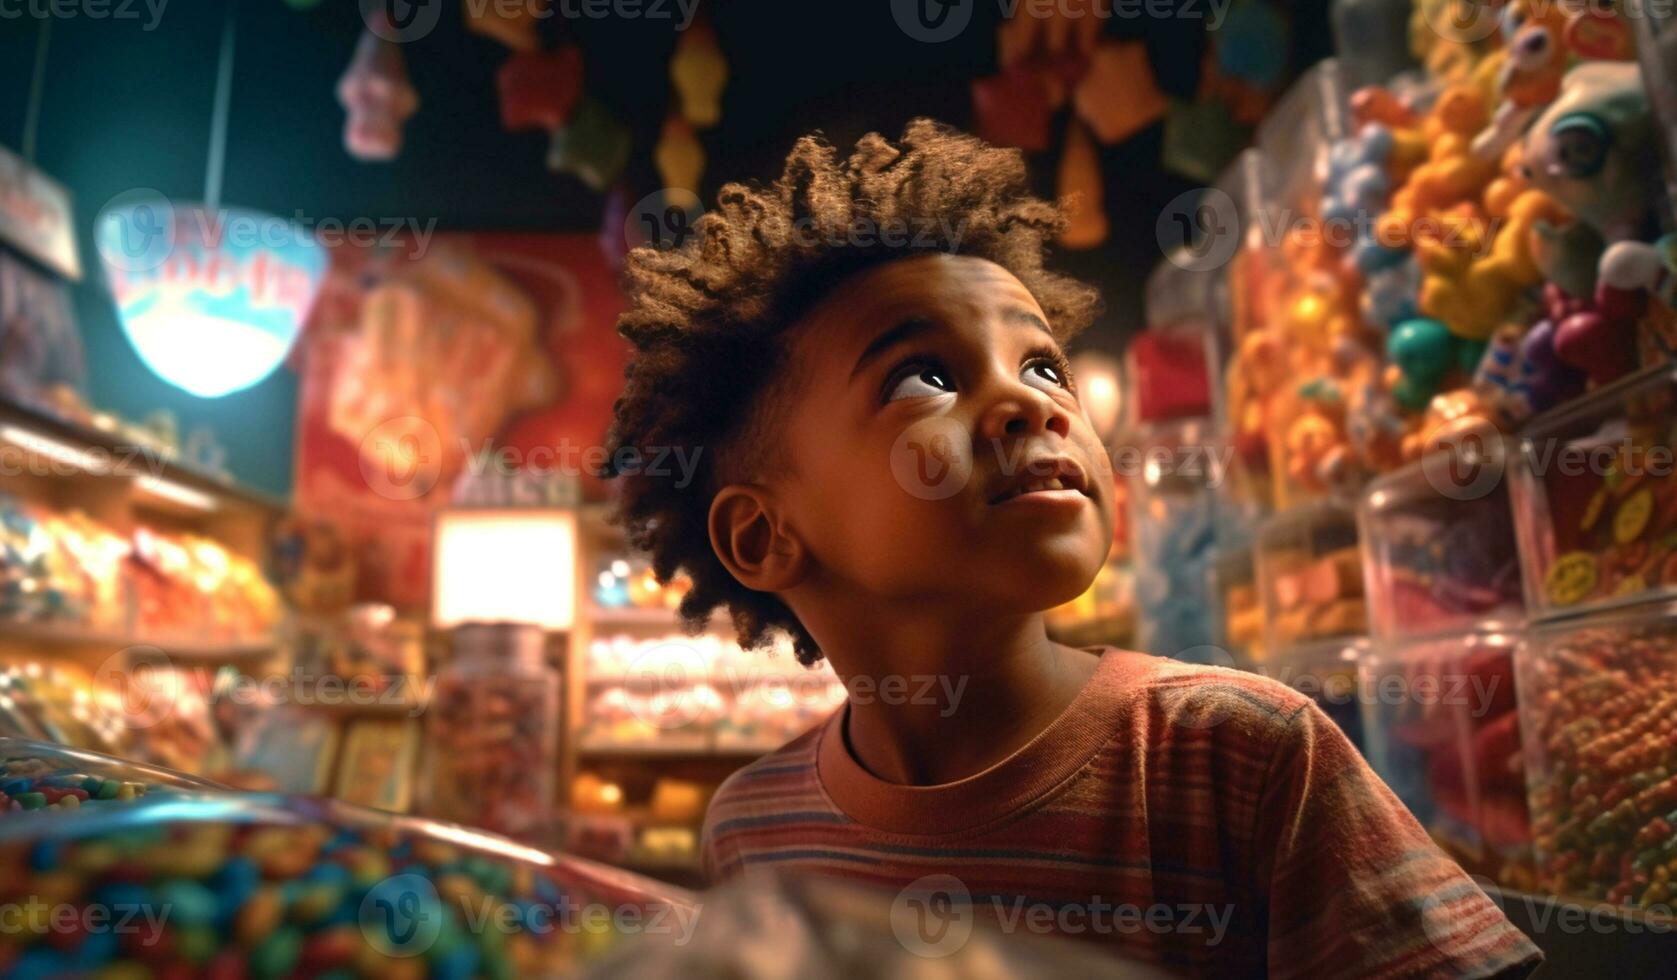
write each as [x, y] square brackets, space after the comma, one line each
[1204, 696]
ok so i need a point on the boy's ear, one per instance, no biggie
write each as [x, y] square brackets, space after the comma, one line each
[752, 542]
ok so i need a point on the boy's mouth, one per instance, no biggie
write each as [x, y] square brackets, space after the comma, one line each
[1042, 475]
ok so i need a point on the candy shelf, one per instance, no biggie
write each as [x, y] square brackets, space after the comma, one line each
[644, 700]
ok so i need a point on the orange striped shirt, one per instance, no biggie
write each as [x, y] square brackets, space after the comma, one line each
[1213, 821]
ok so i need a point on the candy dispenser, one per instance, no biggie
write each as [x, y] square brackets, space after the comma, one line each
[1173, 515]
[1310, 577]
[1440, 727]
[492, 731]
[1596, 498]
[224, 884]
[1438, 545]
[1597, 699]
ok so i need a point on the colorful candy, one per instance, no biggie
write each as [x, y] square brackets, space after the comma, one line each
[103, 897]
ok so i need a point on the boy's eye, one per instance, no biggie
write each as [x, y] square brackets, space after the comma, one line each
[919, 382]
[1044, 372]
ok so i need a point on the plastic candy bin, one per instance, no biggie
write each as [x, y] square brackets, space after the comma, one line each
[1440, 727]
[1310, 577]
[1596, 498]
[1598, 707]
[1438, 546]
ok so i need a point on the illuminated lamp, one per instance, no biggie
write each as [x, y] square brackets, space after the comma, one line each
[505, 565]
[211, 299]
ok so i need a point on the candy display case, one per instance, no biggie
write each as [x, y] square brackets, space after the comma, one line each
[1310, 580]
[1174, 511]
[47, 777]
[1240, 616]
[1439, 554]
[1598, 698]
[1655, 30]
[492, 731]
[220, 884]
[1596, 498]
[1440, 727]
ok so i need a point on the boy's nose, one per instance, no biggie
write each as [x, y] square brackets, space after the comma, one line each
[1023, 412]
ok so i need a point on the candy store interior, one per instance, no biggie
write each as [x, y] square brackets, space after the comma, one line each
[315, 609]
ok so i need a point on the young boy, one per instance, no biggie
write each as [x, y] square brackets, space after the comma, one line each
[896, 471]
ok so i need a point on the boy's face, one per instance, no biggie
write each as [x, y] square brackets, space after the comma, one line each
[935, 446]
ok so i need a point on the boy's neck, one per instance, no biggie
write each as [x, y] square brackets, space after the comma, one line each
[961, 698]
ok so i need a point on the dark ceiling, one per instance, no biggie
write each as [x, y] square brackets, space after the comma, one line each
[128, 107]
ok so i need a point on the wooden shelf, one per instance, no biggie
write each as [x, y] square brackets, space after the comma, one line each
[127, 461]
[195, 649]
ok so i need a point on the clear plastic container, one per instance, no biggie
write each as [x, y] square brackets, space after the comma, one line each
[1655, 28]
[1376, 35]
[228, 884]
[1240, 616]
[1440, 727]
[1439, 554]
[1598, 714]
[1173, 527]
[1310, 577]
[41, 778]
[492, 731]
[1595, 498]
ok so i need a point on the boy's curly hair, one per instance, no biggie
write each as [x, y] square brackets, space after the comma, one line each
[707, 320]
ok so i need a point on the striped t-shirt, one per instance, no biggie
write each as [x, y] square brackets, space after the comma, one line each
[1210, 820]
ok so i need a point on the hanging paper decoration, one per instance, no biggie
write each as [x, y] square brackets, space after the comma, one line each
[1069, 31]
[1081, 191]
[539, 89]
[699, 72]
[1119, 94]
[375, 92]
[219, 311]
[594, 146]
[512, 24]
[679, 157]
[1011, 109]
[1201, 138]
